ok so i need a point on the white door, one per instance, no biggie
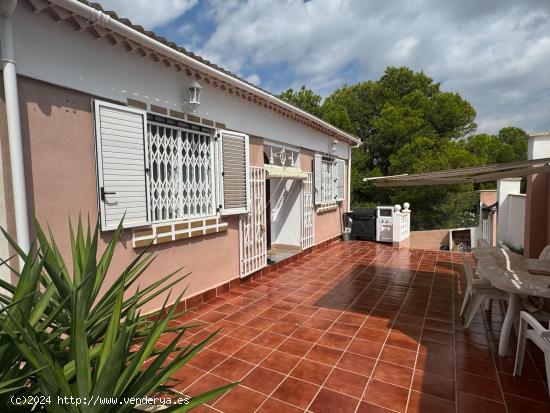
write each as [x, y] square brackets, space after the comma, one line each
[252, 227]
[307, 212]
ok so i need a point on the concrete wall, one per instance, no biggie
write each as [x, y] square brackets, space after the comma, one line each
[429, 240]
[286, 217]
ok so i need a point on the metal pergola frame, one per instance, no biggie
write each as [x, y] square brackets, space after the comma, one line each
[477, 174]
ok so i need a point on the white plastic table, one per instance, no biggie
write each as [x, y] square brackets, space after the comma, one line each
[507, 271]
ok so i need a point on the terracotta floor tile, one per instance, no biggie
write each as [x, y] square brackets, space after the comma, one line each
[398, 356]
[207, 359]
[272, 405]
[227, 345]
[311, 371]
[433, 384]
[425, 403]
[517, 404]
[261, 323]
[269, 339]
[520, 386]
[437, 365]
[281, 362]
[476, 366]
[240, 400]
[398, 339]
[263, 380]
[295, 346]
[365, 348]
[349, 318]
[206, 383]
[478, 386]
[328, 401]
[252, 353]
[322, 354]
[347, 382]
[186, 376]
[334, 340]
[378, 336]
[357, 364]
[308, 334]
[387, 395]
[232, 369]
[344, 329]
[468, 403]
[365, 407]
[392, 373]
[296, 392]
[318, 323]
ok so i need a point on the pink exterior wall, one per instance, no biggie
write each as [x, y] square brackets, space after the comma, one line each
[537, 214]
[327, 224]
[488, 197]
[58, 127]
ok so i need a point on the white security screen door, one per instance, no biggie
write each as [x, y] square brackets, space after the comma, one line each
[252, 226]
[307, 212]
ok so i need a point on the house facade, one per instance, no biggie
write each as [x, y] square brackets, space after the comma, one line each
[114, 122]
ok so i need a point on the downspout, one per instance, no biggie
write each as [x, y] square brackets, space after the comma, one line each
[9, 74]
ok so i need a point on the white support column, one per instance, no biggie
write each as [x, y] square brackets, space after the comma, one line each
[9, 75]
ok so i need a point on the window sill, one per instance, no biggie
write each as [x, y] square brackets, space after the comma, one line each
[173, 231]
[327, 207]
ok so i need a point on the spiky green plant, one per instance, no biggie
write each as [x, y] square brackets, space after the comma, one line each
[79, 338]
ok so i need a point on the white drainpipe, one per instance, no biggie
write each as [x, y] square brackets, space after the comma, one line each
[9, 75]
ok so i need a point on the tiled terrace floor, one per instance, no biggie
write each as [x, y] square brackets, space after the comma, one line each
[358, 327]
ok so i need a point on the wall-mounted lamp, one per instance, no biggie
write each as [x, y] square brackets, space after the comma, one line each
[333, 145]
[194, 92]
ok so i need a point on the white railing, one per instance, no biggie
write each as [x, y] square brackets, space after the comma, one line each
[401, 223]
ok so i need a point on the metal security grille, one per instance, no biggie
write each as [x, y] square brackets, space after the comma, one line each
[307, 212]
[181, 173]
[252, 228]
[328, 188]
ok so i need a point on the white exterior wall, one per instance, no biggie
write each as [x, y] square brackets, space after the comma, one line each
[285, 211]
[511, 212]
[55, 53]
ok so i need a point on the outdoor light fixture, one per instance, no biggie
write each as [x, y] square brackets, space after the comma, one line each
[333, 146]
[194, 91]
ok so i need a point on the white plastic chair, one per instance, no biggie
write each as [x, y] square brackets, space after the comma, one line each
[538, 335]
[477, 290]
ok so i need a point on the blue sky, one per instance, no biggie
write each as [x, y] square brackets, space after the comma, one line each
[495, 53]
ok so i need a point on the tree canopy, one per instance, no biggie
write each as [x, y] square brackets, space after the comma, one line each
[407, 124]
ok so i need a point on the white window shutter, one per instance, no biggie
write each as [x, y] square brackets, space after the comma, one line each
[340, 179]
[121, 151]
[318, 178]
[234, 190]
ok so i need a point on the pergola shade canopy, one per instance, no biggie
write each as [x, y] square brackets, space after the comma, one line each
[477, 174]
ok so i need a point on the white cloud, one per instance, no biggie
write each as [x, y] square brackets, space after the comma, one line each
[149, 13]
[254, 79]
[495, 53]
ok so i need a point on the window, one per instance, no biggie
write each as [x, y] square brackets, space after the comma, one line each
[153, 169]
[181, 173]
[329, 180]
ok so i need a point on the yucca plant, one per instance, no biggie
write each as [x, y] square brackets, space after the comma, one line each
[89, 341]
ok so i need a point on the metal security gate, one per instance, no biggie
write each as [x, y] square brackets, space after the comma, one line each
[307, 212]
[252, 228]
